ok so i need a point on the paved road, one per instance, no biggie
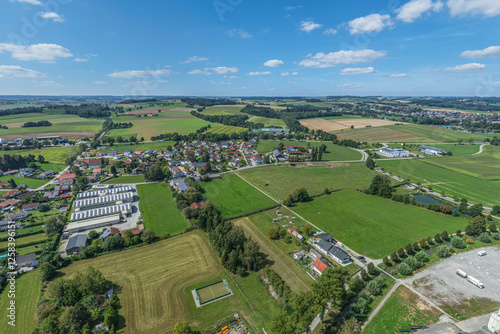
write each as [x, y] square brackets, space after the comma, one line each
[480, 149]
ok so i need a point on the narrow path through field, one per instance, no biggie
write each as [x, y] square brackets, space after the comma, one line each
[379, 306]
[480, 149]
[282, 264]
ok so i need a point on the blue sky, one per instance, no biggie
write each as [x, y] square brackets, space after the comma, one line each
[243, 47]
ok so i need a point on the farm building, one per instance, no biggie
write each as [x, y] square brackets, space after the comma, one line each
[103, 200]
[28, 260]
[109, 231]
[124, 209]
[394, 152]
[76, 244]
[431, 150]
[90, 224]
[133, 230]
[104, 192]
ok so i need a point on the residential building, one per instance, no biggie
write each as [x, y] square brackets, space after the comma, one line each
[319, 266]
[109, 231]
[30, 207]
[26, 261]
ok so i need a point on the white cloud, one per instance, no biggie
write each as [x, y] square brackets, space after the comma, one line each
[291, 82]
[274, 63]
[414, 9]
[193, 58]
[493, 51]
[309, 26]
[398, 75]
[471, 67]
[321, 80]
[285, 74]
[294, 73]
[81, 60]
[259, 73]
[330, 31]
[48, 83]
[357, 70]
[487, 8]
[369, 23]
[293, 7]
[52, 16]
[31, 2]
[348, 86]
[139, 74]
[100, 82]
[8, 71]
[238, 33]
[44, 53]
[214, 70]
[324, 60]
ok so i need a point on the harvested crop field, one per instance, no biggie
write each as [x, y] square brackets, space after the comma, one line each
[76, 134]
[341, 124]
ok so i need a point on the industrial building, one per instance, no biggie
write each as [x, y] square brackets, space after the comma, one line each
[89, 224]
[394, 152]
[93, 202]
[124, 209]
[104, 192]
[431, 150]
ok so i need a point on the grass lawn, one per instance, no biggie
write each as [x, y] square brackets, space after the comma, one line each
[55, 167]
[485, 165]
[296, 278]
[156, 282]
[18, 118]
[153, 126]
[268, 122]
[333, 152]
[401, 309]
[59, 124]
[20, 241]
[374, 226]
[29, 182]
[226, 129]
[158, 209]
[233, 196]
[27, 294]
[22, 231]
[125, 179]
[259, 296]
[281, 180]
[475, 190]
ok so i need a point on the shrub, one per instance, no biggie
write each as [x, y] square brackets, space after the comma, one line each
[413, 262]
[495, 236]
[492, 228]
[416, 246]
[364, 275]
[422, 243]
[445, 236]
[395, 258]
[485, 237]
[404, 269]
[469, 240]
[421, 256]
[458, 232]
[429, 241]
[371, 269]
[387, 262]
[437, 238]
[373, 288]
[443, 251]
[457, 242]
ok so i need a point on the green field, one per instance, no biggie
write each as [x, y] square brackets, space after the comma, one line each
[475, 190]
[153, 126]
[333, 152]
[125, 179]
[223, 110]
[141, 146]
[280, 181]
[233, 196]
[374, 226]
[456, 149]
[156, 282]
[158, 209]
[402, 309]
[74, 124]
[213, 291]
[409, 133]
[484, 166]
[268, 122]
[226, 129]
[31, 183]
[18, 118]
[296, 277]
[26, 296]
[20, 241]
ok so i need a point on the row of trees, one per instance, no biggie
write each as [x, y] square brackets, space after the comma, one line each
[232, 120]
[36, 124]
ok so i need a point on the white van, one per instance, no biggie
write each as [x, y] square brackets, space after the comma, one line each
[481, 253]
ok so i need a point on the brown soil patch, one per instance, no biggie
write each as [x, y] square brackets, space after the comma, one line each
[341, 124]
[49, 134]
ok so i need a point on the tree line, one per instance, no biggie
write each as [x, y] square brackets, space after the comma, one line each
[36, 124]
[206, 102]
[232, 120]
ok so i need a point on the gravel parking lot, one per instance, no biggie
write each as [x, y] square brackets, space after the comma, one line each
[441, 284]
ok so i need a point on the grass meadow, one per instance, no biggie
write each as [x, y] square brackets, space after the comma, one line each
[453, 183]
[268, 122]
[226, 129]
[29, 182]
[156, 281]
[223, 110]
[158, 209]
[233, 196]
[26, 296]
[280, 181]
[374, 226]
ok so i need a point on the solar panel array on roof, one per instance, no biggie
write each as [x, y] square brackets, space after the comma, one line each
[94, 201]
[107, 210]
[104, 192]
